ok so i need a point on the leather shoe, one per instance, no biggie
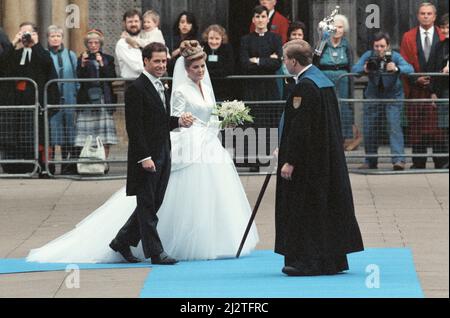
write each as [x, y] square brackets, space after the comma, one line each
[292, 271]
[417, 167]
[163, 259]
[125, 251]
[399, 166]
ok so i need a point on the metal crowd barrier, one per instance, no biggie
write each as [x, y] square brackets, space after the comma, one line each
[366, 112]
[81, 115]
[270, 111]
[118, 156]
[19, 148]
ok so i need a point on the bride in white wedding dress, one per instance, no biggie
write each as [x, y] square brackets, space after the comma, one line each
[205, 210]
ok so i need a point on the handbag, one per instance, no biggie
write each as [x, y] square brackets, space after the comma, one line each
[92, 151]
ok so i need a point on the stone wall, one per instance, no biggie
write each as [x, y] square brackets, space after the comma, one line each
[106, 15]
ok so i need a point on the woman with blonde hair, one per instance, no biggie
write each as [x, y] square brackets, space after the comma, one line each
[220, 59]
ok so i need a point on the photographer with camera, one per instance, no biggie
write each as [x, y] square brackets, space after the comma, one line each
[97, 122]
[384, 68]
[29, 59]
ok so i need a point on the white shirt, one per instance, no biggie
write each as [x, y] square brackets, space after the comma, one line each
[271, 13]
[26, 54]
[152, 79]
[130, 60]
[303, 71]
[430, 36]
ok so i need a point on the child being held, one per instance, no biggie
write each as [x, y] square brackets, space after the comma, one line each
[150, 33]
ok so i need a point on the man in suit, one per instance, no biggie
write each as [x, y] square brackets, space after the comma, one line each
[419, 49]
[148, 123]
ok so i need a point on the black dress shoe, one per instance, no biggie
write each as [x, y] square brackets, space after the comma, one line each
[125, 251]
[292, 271]
[417, 167]
[163, 259]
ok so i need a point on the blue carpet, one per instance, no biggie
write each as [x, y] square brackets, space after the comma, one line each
[16, 266]
[259, 276]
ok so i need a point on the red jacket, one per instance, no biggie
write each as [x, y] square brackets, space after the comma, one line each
[279, 25]
[422, 118]
[410, 52]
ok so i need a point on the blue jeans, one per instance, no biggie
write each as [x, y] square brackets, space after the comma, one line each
[374, 115]
[62, 128]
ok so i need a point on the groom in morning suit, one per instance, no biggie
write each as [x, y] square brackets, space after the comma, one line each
[148, 122]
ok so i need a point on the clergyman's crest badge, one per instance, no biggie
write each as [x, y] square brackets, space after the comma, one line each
[297, 102]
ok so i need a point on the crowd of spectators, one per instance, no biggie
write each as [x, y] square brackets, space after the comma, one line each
[424, 49]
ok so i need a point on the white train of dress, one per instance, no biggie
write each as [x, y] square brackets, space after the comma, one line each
[205, 210]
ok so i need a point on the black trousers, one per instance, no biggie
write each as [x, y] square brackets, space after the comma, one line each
[141, 226]
[440, 146]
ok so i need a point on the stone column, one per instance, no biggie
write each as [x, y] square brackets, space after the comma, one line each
[16, 12]
[59, 18]
[45, 20]
[77, 34]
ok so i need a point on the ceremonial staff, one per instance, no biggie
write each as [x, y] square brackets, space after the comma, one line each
[258, 202]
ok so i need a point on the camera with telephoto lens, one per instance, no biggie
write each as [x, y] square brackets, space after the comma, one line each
[26, 38]
[377, 63]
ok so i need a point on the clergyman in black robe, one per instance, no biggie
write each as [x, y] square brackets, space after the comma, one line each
[32, 61]
[260, 54]
[316, 225]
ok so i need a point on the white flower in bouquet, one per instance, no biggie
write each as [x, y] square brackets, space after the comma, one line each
[234, 113]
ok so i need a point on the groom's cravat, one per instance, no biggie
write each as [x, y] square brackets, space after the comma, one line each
[161, 91]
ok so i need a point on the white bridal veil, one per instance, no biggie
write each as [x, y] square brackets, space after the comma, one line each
[180, 77]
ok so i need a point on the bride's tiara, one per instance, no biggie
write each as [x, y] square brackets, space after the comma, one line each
[191, 50]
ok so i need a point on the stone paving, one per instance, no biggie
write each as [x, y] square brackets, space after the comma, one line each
[393, 211]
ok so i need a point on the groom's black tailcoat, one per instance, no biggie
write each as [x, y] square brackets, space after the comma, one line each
[148, 123]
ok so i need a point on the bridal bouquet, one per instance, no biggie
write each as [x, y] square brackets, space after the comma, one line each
[233, 113]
